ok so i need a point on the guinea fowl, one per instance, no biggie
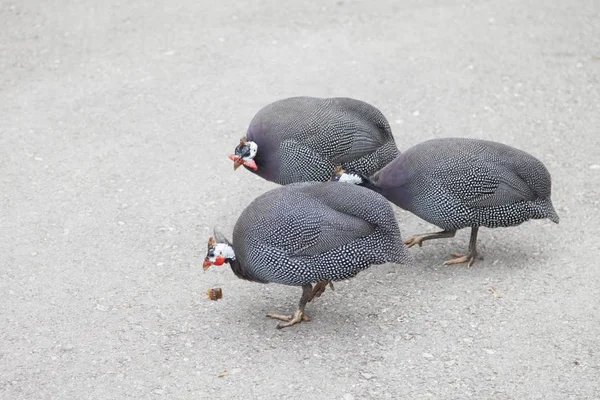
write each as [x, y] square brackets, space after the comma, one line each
[310, 232]
[301, 139]
[457, 183]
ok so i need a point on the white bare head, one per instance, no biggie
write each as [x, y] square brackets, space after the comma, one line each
[244, 154]
[339, 175]
[251, 152]
[218, 253]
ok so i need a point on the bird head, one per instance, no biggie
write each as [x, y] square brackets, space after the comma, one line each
[244, 154]
[218, 253]
[340, 175]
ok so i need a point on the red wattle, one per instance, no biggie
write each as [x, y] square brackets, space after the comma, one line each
[219, 260]
[251, 164]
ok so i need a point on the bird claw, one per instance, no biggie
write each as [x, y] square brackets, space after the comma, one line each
[411, 241]
[460, 258]
[289, 320]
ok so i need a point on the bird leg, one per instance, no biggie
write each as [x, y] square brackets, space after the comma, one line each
[419, 239]
[468, 258]
[299, 316]
[319, 289]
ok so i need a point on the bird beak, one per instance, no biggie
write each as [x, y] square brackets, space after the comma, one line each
[238, 162]
[206, 264]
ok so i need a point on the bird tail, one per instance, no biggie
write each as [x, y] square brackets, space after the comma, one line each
[400, 254]
[552, 215]
[549, 211]
[542, 209]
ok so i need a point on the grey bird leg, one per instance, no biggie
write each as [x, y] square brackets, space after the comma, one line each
[419, 239]
[320, 288]
[299, 316]
[471, 255]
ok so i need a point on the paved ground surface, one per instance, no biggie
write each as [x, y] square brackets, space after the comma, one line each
[115, 125]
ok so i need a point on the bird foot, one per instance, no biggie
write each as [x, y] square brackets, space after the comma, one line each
[413, 240]
[320, 288]
[289, 320]
[459, 258]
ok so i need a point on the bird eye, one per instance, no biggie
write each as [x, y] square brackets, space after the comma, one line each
[242, 151]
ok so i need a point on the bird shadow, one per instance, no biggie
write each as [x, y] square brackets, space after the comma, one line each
[500, 248]
[356, 303]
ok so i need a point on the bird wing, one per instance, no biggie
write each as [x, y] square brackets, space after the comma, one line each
[335, 230]
[488, 185]
[364, 141]
[313, 230]
[509, 188]
[342, 129]
[307, 219]
[340, 138]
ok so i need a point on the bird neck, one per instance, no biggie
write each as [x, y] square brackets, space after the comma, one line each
[367, 183]
[241, 272]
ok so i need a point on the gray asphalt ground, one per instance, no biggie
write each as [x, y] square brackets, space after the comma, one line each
[116, 119]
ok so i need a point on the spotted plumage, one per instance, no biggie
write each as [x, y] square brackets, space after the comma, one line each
[457, 183]
[302, 139]
[312, 232]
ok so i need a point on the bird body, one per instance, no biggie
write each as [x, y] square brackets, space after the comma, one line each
[302, 139]
[456, 183]
[311, 232]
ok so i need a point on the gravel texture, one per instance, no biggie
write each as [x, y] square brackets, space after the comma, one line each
[116, 119]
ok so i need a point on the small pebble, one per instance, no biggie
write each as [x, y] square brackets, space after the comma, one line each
[366, 375]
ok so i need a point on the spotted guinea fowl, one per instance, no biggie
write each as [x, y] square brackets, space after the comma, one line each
[303, 139]
[457, 183]
[310, 232]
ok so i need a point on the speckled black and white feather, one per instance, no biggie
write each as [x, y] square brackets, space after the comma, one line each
[303, 139]
[311, 232]
[456, 183]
